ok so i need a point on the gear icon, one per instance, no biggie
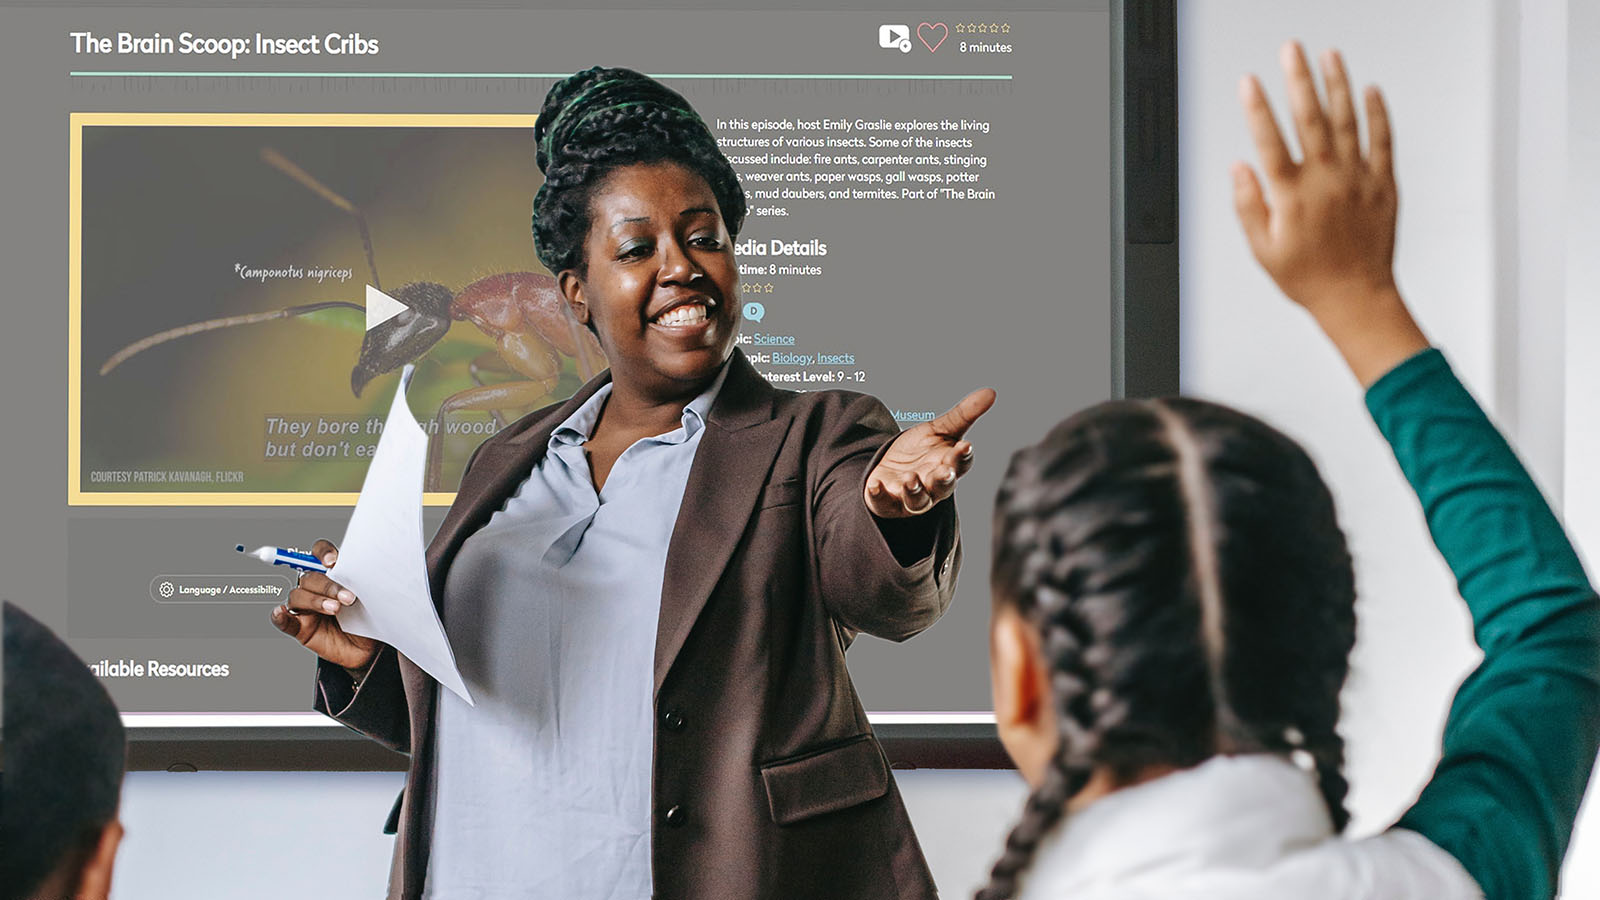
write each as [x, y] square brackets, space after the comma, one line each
[166, 589]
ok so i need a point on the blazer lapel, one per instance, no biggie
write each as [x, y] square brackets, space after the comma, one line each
[730, 468]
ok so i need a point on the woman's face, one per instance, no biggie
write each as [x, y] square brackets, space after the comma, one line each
[661, 283]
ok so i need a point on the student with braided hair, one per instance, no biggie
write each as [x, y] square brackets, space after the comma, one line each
[1174, 604]
[651, 586]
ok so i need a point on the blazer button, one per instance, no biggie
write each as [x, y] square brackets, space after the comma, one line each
[673, 721]
[675, 816]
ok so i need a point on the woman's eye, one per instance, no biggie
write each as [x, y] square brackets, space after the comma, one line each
[707, 241]
[634, 251]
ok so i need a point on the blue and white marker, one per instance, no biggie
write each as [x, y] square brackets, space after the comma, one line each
[281, 556]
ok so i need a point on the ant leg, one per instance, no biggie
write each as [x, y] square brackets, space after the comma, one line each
[490, 362]
[486, 398]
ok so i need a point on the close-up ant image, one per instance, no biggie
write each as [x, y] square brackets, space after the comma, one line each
[490, 338]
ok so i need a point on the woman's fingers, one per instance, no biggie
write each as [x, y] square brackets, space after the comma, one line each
[878, 498]
[317, 592]
[922, 468]
[898, 495]
[322, 635]
[325, 551]
[304, 601]
[286, 621]
[964, 453]
[961, 417]
[914, 495]
[941, 474]
[883, 501]
[318, 583]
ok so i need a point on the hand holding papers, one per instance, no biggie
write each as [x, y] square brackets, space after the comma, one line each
[382, 556]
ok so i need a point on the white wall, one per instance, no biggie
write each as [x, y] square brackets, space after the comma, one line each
[254, 835]
[1478, 94]
[1477, 89]
[1582, 307]
[1247, 346]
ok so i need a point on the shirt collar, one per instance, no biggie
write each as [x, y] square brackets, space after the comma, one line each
[1239, 810]
[578, 427]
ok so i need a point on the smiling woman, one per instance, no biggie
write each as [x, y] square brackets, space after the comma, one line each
[650, 588]
[657, 285]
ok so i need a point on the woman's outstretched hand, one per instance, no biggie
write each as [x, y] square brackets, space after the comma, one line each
[922, 465]
[1325, 227]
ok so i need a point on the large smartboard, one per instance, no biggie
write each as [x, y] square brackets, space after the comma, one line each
[940, 199]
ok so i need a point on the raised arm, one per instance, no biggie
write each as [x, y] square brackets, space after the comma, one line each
[1523, 730]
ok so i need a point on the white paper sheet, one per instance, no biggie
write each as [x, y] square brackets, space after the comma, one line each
[382, 559]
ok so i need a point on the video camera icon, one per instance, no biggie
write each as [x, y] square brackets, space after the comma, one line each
[895, 37]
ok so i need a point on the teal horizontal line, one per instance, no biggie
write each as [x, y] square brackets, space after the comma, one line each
[770, 76]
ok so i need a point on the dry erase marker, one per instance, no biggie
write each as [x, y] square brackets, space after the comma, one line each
[282, 556]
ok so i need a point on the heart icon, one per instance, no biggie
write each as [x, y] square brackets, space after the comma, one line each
[940, 28]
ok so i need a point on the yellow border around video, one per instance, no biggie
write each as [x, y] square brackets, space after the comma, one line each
[76, 496]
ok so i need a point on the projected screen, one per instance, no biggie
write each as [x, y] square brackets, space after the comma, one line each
[201, 203]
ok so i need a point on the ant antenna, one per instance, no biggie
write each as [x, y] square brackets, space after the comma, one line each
[139, 346]
[280, 162]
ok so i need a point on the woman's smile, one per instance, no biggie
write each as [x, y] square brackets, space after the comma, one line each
[686, 317]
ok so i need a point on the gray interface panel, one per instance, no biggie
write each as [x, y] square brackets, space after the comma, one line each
[930, 201]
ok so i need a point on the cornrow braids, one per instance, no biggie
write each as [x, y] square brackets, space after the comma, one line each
[1289, 587]
[599, 120]
[1192, 592]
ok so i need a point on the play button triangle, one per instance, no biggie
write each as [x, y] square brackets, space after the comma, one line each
[381, 307]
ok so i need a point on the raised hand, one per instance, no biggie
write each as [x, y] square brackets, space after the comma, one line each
[922, 465]
[1324, 230]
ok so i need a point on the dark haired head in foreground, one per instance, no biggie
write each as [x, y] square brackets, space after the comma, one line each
[64, 758]
[1192, 595]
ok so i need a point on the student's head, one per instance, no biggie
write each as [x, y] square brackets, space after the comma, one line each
[1170, 584]
[636, 217]
[64, 758]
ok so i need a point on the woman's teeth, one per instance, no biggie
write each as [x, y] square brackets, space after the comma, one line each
[693, 314]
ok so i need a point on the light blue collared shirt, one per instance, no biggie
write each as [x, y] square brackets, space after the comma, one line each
[543, 788]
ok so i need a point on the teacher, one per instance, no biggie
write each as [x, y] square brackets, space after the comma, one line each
[650, 588]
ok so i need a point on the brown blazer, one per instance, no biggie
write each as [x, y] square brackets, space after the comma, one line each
[768, 782]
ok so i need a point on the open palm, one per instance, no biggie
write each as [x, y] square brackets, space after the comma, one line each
[922, 465]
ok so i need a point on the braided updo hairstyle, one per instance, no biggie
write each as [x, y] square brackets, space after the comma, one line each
[1193, 594]
[599, 120]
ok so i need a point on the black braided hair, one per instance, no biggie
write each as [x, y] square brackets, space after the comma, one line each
[1193, 594]
[599, 120]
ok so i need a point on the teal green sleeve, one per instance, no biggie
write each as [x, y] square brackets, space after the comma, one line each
[1523, 729]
